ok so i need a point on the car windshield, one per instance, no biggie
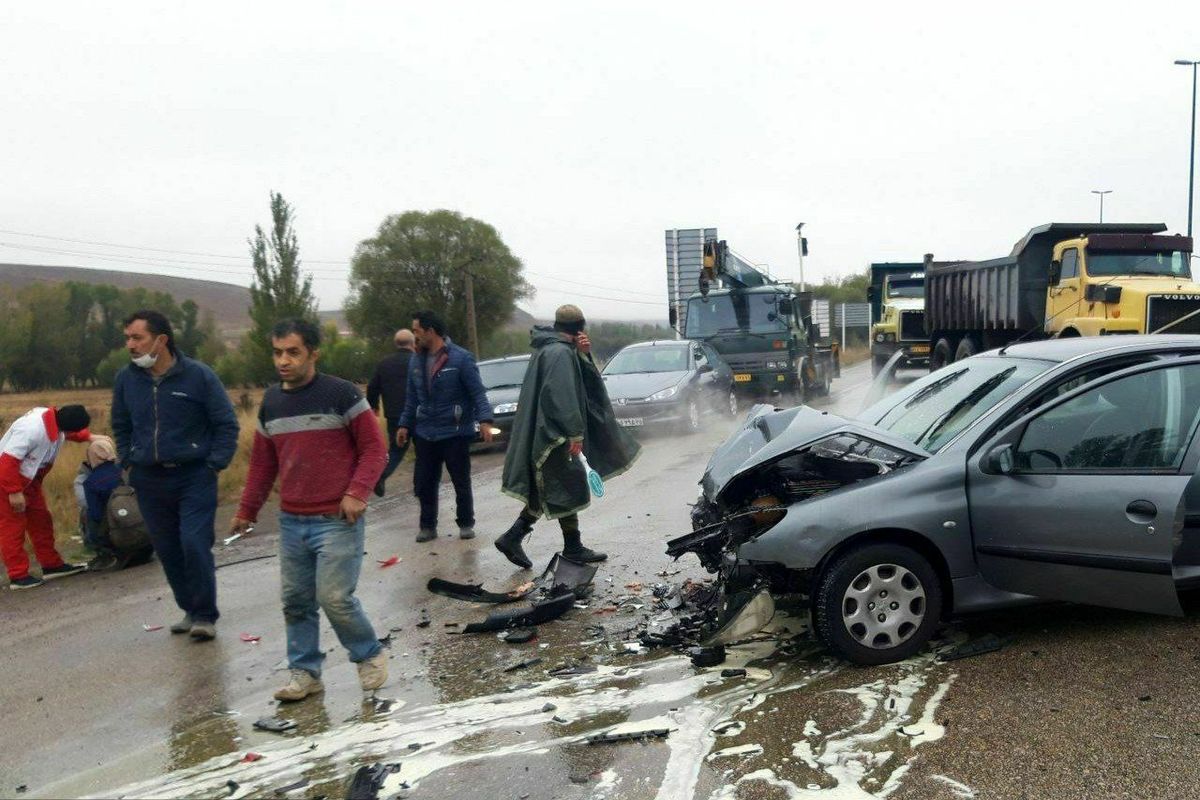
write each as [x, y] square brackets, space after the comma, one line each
[932, 411]
[908, 288]
[503, 373]
[669, 358]
[1173, 264]
[730, 313]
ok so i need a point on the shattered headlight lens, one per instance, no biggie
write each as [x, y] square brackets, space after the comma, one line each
[665, 394]
[505, 408]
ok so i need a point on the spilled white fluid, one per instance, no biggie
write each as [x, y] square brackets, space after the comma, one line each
[739, 750]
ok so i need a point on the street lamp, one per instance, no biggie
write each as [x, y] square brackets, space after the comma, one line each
[801, 247]
[1102, 192]
[1192, 145]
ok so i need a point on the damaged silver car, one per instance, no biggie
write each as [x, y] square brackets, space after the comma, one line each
[1058, 470]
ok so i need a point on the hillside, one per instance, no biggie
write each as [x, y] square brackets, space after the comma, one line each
[227, 303]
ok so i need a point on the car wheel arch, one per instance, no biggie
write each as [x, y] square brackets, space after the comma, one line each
[900, 536]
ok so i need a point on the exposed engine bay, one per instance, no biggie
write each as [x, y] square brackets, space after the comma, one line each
[755, 500]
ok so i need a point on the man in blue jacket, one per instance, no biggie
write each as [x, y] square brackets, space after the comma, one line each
[176, 429]
[445, 400]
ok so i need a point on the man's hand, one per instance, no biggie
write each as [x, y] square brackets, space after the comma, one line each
[583, 343]
[575, 448]
[353, 508]
[17, 501]
[485, 430]
[401, 437]
[240, 526]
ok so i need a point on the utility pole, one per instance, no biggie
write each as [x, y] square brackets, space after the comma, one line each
[1102, 192]
[801, 247]
[1192, 143]
[472, 333]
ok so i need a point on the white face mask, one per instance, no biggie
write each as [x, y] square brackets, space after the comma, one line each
[145, 361]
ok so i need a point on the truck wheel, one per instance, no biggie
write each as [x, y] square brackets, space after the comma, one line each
[877, 604]
[966, 349]
[822, 388]
[942, 355]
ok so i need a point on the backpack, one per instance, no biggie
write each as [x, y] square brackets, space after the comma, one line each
[126, 528]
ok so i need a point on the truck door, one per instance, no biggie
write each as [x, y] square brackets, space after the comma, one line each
[1063, 298]
[1083, 500]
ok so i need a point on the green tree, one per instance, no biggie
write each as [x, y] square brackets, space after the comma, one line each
[420, 260]
[278, 291]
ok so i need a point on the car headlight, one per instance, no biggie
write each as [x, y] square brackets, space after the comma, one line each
[505, 408]
[665, 394]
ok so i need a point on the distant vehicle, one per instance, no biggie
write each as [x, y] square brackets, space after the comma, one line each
[1063, 279]
[669, 383]
[897, 297]
[1057, 470]
[502, 377]
[762, 328]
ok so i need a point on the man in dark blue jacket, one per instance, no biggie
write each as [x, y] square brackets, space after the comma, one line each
[176, 429]
[444, 403]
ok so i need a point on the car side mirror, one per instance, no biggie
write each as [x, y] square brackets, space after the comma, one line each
[785, 306]
[1000, 460]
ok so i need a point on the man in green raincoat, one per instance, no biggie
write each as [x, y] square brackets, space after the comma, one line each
[563, 411]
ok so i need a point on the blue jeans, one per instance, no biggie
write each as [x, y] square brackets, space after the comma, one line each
[179, 506]
[395, 451]
[320, 558]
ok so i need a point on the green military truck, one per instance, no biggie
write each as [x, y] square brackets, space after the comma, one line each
[762, 328]
[897, 298]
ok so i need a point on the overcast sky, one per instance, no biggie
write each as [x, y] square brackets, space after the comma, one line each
[582, 130]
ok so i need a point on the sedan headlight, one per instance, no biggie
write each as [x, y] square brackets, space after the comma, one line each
[505, 408]
[665, 394]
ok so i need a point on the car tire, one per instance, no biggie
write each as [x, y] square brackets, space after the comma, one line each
[942, 355]
[966, 349]
[732, 404]
[856, 579]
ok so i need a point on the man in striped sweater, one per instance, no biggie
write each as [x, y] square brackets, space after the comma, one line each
[318, 435]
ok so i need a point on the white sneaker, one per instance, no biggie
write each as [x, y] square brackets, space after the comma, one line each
[373, 672]
[300, 686]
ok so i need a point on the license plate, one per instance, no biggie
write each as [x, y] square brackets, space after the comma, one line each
[919, 348]
[631, 422]
[741, 377]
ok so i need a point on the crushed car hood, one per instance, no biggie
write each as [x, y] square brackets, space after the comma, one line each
[767, 434]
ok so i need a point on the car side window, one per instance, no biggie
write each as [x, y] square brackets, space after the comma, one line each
[1140, 422]
[1070, 265]
[1075, 381]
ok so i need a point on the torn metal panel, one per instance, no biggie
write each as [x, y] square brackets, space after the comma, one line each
[742, 615]
[525, 617]
[560, 572]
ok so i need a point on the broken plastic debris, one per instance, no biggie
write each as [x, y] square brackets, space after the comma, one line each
[274, 724]
[578, 669]
[657, 728]
[707, 656]
[389, 562]
[228, 540]
[250, 758]
[743, 614]
[733, 673]
[250, 638]
[987, 643]
[232, 786]
[519, 635]
[545, 611]
[291, 787]
[528, 662]
[740, 750]
[368, 780]
[548, 708]
[729, 728]
[151, 628]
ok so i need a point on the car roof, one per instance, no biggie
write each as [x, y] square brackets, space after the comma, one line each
[658, 343]
[502, 359]
[1075, 346]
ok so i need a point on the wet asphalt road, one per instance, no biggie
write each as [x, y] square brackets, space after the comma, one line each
[1080, 702]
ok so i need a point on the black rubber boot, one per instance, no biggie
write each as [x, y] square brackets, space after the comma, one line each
[510, 543]
[573, 549]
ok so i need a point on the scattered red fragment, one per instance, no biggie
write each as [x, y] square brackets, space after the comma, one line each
[149, 628]
[391, 562]
[250, 757]
[250, 637]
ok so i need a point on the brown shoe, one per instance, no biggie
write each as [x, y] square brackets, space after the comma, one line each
[300, 685]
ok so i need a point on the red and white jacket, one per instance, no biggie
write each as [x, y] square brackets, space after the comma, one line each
[29, 447]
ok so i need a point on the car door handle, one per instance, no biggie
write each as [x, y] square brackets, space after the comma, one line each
[1141, 508]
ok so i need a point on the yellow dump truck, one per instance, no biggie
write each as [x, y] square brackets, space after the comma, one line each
[1063, 279]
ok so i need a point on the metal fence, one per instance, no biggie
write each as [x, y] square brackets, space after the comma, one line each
[848, 323]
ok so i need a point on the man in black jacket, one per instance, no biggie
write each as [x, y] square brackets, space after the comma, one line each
[390, 381]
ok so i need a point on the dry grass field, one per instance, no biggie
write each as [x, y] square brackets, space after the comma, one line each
[60, 495]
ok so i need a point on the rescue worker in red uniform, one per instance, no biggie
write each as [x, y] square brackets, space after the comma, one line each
[27, 453]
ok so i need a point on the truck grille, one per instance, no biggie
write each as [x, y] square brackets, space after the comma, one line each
[1161, 311]
[912, 325]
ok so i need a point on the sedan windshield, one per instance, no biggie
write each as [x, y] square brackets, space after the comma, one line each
[1170, 264]
[932, 411]
[648, 359]
[503, 373]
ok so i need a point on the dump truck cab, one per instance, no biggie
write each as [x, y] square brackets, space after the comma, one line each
[897, 299]
[1129, 283]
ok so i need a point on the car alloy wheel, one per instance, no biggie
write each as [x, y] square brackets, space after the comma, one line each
[693, 415]
[733, 403]
[877, 603]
